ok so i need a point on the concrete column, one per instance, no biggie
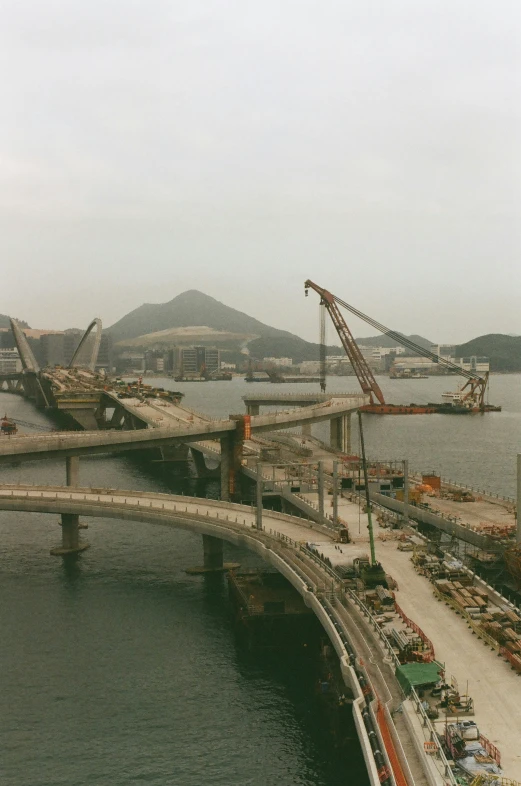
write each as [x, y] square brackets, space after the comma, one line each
[72, 470]
[213, 552]
[306, 429]
[70, 532]
[346, 434]
[258, 516]
[70, 522]
[227, 469]
[340, 433]
[335, 433]
[252, 409]
[518, 514]
[321, 487]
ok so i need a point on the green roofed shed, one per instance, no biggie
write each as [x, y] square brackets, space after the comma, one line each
[415, 675]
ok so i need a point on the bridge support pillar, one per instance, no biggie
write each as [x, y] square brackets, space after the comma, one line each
[72, 470]
[227, 474]
[70, 522]
[231, 463]
[253, 409]
[71, 544]
[213, 558]
[306, 429]
[340, 433]
[213, 552]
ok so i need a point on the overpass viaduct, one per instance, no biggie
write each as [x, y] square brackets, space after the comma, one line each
[392, 744]
[185, 427]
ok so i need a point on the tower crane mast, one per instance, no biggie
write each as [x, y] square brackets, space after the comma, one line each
[365, 376]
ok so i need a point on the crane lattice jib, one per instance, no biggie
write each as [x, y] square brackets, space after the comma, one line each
[476, 385]
[365, 376]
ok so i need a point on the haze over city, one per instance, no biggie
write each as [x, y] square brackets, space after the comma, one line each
[147, 149]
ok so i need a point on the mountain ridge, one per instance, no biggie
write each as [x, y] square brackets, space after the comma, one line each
[193, 308]
[4, 322]
[503, 351]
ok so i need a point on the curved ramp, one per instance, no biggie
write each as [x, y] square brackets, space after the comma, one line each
[86, 355]
[26, 356]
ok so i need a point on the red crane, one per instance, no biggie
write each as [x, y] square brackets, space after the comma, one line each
[365, 376]
[473, 399]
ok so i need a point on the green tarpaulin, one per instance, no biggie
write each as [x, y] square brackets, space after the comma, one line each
[412, 675]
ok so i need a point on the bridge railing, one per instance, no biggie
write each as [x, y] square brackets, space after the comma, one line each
[321, 589]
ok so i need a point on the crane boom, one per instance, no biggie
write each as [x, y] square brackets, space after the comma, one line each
[475, 386]
[365, 376]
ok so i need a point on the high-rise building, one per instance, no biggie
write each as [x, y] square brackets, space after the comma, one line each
[199, 360]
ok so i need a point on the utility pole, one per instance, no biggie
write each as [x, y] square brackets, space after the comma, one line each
[367, 498]
[321, 487]
[335, 493]
[406, 493]
[258, 518]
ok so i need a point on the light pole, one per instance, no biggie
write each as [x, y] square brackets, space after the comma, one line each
[258, 515]
[335, 493]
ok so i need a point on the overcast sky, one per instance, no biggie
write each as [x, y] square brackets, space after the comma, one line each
[240, 147]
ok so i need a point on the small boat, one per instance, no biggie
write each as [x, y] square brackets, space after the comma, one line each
[7, 426]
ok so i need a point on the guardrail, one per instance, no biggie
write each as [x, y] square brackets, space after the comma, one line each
[322, 592]
[459, 485]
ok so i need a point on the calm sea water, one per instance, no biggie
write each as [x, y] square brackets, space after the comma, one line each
[122, 669]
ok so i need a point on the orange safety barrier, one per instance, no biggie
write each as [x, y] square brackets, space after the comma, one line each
[398, 773]
[512, 658]
[491, 749]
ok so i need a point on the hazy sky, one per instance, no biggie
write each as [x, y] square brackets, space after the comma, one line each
[240, 147]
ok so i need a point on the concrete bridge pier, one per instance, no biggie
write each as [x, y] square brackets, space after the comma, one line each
[70, 522]
[231, 464]
[201, 469]
[340, 433]
[213, 558]
[306, 429]
[252, 409]
[213, 552]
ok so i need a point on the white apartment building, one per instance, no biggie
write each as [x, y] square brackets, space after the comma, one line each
[284, 362]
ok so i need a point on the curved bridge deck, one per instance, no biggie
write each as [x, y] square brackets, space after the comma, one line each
[281, 542]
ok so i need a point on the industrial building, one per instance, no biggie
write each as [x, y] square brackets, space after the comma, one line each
[10, 362]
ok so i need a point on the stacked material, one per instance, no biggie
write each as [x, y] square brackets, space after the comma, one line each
[433, 567]
[503, 626]
[469, 599]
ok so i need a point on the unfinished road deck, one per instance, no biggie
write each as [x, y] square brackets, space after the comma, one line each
[30, 447]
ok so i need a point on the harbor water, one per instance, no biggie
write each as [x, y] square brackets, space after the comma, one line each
[122, 669]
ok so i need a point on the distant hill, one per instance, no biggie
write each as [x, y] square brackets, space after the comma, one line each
[192, 309]
[384, 341]
[504, 352]
[188, 309]
[4, 322]
[195, 334]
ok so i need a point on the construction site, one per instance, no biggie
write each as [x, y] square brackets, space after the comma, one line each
[396, 543]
